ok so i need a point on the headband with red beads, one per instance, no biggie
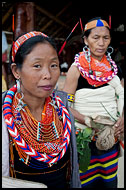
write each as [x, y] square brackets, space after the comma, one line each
[22, 39]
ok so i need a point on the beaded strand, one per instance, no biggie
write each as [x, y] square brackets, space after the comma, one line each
[33, 127]
[58, 149]
[91, 76]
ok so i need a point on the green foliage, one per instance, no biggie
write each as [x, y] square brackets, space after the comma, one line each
[108, 112]
[84, 160]
[83, 139]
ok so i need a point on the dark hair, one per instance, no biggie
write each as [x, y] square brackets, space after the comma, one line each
[87, 32]
[27, 47]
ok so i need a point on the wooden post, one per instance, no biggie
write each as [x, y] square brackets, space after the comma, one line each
[23, 18]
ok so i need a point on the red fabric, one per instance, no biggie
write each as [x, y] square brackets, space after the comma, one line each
[99, 171]
[104, 63]
[104, 159]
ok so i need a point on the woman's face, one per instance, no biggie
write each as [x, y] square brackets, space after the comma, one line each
[98, 41]
[40, 71]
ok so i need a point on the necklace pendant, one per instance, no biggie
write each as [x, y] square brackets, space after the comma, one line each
[38, 131]
[20, 106]
[112, 68]
[90, 72]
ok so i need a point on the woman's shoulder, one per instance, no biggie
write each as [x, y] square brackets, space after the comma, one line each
[62, 95]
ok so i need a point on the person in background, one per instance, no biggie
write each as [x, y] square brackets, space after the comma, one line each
[96, 98]
[64, 68]
[38, 137]
[63, 64]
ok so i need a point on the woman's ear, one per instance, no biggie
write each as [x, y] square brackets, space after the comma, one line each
[15, 70]
[85, 40]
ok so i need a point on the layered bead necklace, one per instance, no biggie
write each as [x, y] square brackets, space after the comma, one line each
[46, 140]
[106, 69]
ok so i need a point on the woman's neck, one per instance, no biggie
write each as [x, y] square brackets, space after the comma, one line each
[35, 106]
[97, 57]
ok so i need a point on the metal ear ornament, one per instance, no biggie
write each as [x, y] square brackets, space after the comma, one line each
[87, 52]
[18, 85]
[21, 104]
[109, 52]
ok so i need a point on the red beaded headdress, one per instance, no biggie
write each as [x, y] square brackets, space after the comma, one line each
[22, 39]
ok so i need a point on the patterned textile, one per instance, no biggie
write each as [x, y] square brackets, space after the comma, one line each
[103, 167]
[95, 23]
[70, 97]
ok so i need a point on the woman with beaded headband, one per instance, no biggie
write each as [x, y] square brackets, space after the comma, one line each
[96, 98]
[41, 144]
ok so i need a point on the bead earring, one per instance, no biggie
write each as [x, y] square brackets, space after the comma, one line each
[87, 52]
